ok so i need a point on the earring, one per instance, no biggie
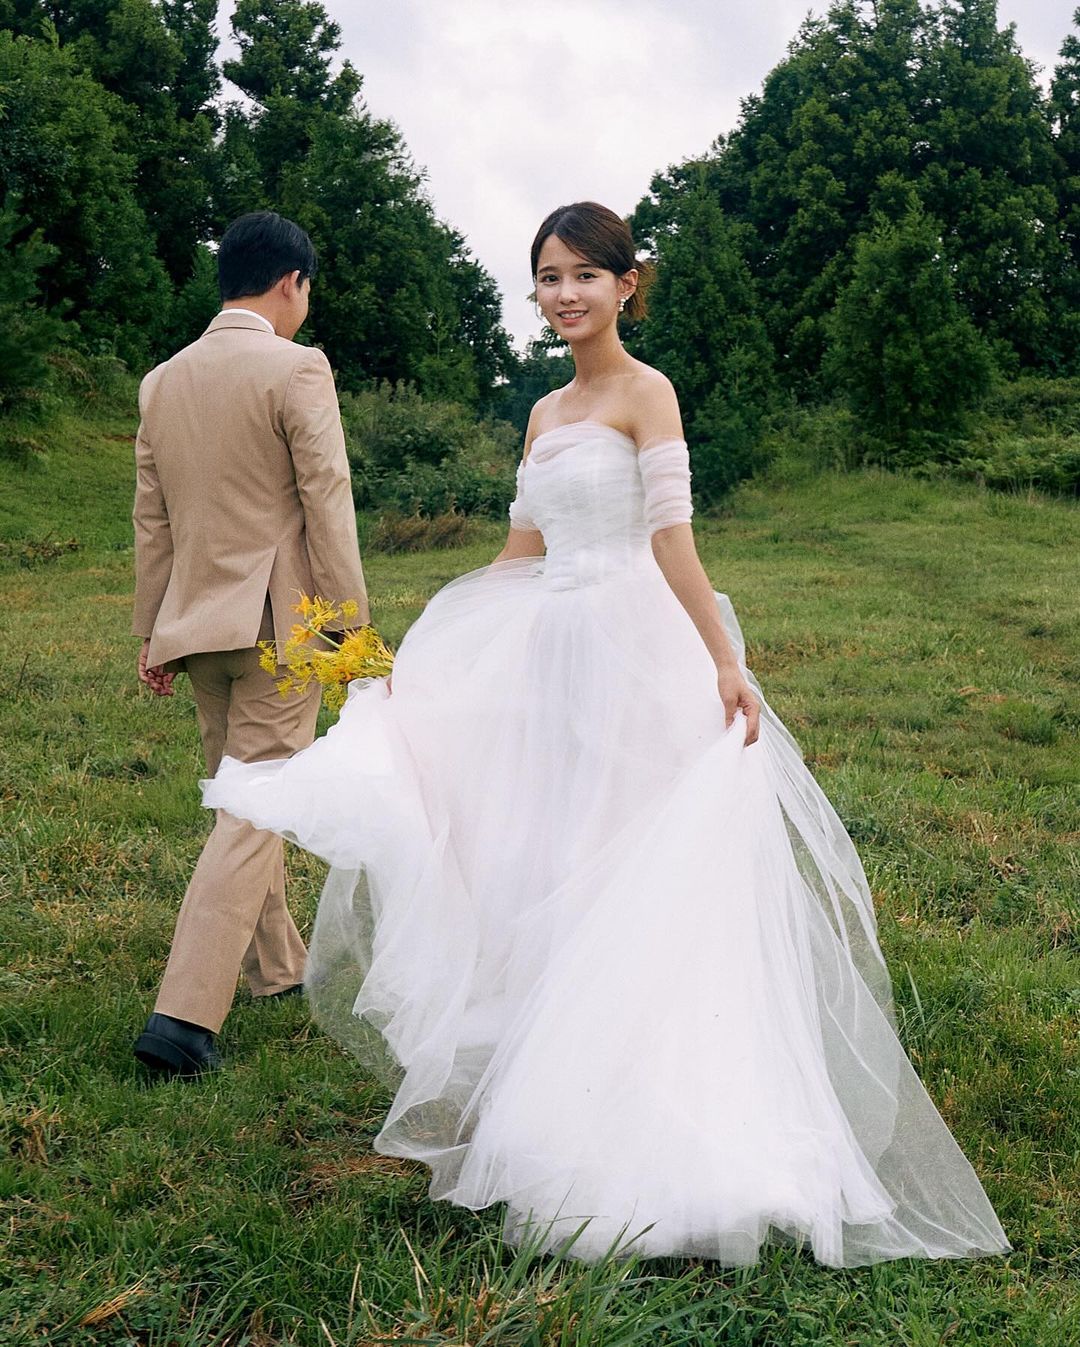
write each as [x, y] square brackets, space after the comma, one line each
[622, 303]
[536, 309]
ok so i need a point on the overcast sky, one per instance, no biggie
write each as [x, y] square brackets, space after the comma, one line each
[513, 107]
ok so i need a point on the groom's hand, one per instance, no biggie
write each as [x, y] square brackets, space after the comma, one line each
[156, 679]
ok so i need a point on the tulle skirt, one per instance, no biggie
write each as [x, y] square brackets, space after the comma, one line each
[624, 968]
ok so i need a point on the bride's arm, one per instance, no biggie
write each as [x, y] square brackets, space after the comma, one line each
[522, 543]
[524, 539]
[657, 423]
[676, 555]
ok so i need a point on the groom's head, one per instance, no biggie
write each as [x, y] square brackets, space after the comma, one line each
[267, 262]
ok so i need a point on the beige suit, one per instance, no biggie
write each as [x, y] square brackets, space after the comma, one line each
[242, 500]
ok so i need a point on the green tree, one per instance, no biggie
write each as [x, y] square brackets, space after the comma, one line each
[157, 58]
[1065, 115]
[286, 49]
[59, 156]
[285, 66]
[23, 17]
[398, 296]
[27, 332]
[529, 378]
[869, 96]
[988, 178]
[908, 358]
[803, 166]
[196, 302]
[705, 333]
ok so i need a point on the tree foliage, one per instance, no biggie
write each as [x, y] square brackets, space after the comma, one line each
[1065, 118]
[888, 123]
[902, 348]
[901, 151]
[60, 156]
[27, 332]
[705, 333]
[116, 140]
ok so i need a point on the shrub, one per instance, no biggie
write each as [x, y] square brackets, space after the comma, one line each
[902, 349]
[416, 456]
[395, 532]
[1017, 462]
[27, 332]
[1028, 438]
[1031, 404]
[805, 441]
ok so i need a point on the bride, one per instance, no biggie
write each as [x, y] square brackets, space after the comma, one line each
[583, 889]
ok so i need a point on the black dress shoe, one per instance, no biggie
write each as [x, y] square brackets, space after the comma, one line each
[173, 1047]
[297, 989]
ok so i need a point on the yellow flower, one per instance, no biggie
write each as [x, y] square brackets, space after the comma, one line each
[324, 614]
[362, 653]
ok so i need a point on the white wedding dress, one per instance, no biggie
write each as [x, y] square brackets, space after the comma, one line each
[626, 967]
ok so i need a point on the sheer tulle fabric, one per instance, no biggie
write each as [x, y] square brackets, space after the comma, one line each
[625, 969]
[665, 479]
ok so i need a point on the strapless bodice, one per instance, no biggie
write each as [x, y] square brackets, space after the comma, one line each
[582, 487]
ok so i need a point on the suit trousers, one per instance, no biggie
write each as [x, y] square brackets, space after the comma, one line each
[234, 914]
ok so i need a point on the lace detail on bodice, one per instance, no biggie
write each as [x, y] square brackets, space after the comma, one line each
[582, 487]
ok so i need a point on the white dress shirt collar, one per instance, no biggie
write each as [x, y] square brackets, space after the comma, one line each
[250, 314]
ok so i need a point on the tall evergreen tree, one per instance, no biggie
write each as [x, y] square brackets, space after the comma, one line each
[989, 177]
[871, 95]
[803, 166]
[286, 49]
[158, 60]
[907, 356]
[27, 332]
[59, 156]
[704, 332]
[285, 67]
[1065, 113]
[398, 295]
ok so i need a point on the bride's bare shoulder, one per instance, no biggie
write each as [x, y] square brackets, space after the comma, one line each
[542, 413]
[653, 406]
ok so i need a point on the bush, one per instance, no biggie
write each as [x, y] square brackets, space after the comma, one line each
[1017, 462]
[27, 331]
[802, 442]
[415, 456]
[901, 347]
[395, 532]
[74, 385]
[94, 380]
[1029, 437]
[1032, 404]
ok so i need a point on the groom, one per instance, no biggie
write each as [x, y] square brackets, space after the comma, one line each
[242, 500]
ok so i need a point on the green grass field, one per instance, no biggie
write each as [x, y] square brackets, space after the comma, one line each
[920, 640]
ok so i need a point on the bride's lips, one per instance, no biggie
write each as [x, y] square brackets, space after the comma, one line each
[571, 316]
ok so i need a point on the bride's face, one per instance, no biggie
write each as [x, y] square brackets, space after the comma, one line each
[578, 298]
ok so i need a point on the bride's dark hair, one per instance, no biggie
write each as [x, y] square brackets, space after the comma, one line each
[602, 237]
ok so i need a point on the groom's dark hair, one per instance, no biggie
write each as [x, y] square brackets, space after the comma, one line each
[257, 250]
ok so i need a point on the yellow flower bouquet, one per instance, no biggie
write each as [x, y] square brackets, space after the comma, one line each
[361, 653]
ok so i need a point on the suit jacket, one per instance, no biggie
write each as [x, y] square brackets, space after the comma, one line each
[242, 491]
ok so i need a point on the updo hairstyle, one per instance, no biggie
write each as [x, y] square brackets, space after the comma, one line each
[602, 238]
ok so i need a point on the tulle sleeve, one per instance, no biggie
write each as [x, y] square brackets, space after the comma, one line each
[665, 474]
[520, 518]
